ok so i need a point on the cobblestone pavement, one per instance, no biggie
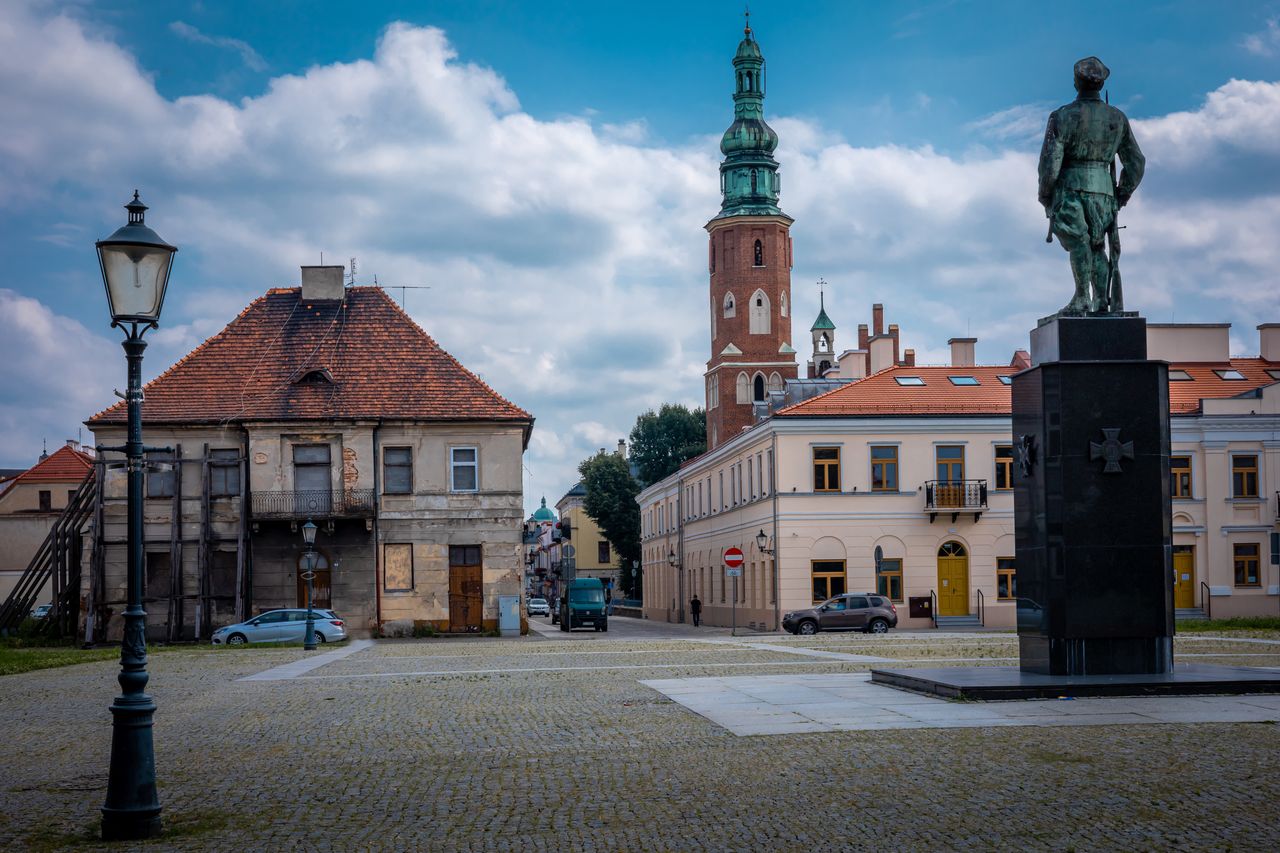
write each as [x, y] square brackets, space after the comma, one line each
[536, 743]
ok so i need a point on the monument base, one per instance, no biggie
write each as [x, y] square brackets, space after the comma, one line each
[1010, 682]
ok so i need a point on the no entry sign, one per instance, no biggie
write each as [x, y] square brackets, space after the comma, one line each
[733, 557]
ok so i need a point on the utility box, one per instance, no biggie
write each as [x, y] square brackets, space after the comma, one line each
[509, 615]
[920, 607]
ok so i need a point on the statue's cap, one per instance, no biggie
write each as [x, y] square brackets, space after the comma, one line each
[1091, 72]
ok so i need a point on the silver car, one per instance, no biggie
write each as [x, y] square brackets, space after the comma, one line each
[282, 626]
[538, 607]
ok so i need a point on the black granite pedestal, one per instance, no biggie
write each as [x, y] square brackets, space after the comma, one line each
[1091, 501]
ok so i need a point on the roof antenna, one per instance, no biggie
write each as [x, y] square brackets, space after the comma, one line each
[352, 277]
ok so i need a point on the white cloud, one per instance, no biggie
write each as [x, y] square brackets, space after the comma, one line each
[566, 260]
[248, 55]
[1267, 41]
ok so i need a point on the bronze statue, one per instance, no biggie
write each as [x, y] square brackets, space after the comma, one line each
[1079, 190]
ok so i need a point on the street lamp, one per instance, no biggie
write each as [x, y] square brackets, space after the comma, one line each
[762, 541]
[309, 537]
[671, 561]
[135, 270]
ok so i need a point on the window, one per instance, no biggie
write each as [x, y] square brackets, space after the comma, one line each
[730, 309]
[224, 472]
[46, 500]
[602, 552]
[222, 575]
[759, 247]
[775, 382]
[397, 471]
[759, 323]
[1274, 374]
[464, 467]
[1006, 579]
[889, 579]
[71, 496]
[1233, 375]
[159, 568]
[884, 468]
[397, 567]
[1004, 466]
[744, 388]
[1246, 561]
[1005, 380]
[828, 579]
[160, 478]
[826, 469]
[1244, 476]
[758, 389]
[1179, 376]
[1180, 476]
[950, 458]
[723, 505]
[964, 380]
[908, 380]
[782, 304]
[464, 555]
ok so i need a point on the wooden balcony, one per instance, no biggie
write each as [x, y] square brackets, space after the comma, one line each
[955, 497]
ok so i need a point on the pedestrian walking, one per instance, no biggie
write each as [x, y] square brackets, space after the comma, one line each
[695, 607]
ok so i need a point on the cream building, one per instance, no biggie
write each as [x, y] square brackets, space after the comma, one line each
[916, 463]
[593, 556]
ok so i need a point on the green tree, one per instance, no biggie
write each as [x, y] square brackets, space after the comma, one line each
[611, 503]
[662, 440]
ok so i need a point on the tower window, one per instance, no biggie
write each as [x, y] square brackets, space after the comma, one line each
[730, 310]
[759, 320]
[748, 81]
[759, 254]
[759, 388]
[782, 304]
[755, 177]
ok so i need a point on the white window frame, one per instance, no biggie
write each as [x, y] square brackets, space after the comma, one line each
[454, 464]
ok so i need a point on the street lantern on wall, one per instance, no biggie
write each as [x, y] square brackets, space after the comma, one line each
[762, 543]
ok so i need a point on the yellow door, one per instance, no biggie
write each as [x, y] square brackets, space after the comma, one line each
[1184, 578]
[953, 580]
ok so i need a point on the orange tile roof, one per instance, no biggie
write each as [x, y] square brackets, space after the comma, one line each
[64, 465]
[381, 363]
[881, 394]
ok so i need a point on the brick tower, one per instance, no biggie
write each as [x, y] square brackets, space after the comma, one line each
[749, 261]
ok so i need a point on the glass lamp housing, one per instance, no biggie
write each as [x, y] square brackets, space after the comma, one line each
[135, 268]
[309, 533]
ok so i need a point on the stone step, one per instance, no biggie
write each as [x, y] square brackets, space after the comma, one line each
[1188, 613]
[959, 622]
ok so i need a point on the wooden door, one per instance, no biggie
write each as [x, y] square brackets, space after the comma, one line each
[466, 588]
[322, 584]
[953, 580]
[1184, 578]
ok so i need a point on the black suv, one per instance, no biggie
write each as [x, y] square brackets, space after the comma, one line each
[858, 611]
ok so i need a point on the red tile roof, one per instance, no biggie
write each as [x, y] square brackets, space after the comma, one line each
[64, 465]
[881, 393]
[377, 361]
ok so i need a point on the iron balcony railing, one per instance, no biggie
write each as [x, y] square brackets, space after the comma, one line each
[314, 503]
[955, 496]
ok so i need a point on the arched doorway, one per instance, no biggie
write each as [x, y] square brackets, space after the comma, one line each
[953, 580]
[322, 585]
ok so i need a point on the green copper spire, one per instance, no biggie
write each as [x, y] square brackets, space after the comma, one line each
[749, 174]
[823, 321]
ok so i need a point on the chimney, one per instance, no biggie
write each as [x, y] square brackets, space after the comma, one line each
[962, 354]
[909, 358]
[73, 444]
[1021, 360]
[893, 333]
[1189, 342]
[322, 284]
[877, 319]
[622, 448]
[852, 364]
[864, 336]
[881, 353]
[1269, 341]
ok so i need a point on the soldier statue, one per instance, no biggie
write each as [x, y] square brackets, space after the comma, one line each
[1079, 190]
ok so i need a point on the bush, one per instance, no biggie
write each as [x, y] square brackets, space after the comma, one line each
[424, 629]
[1236, 623]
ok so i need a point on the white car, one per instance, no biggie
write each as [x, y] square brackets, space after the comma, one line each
[538, 607]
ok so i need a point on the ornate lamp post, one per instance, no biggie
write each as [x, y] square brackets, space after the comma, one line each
[672, 560]
[135, 269]
[309, 537]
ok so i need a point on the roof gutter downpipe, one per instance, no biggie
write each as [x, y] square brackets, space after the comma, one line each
[377, 551]
[777, 540]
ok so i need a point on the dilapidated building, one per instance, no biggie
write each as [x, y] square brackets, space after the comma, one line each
[327, 403]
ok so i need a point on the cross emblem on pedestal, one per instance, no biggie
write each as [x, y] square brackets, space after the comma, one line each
[1111, 450]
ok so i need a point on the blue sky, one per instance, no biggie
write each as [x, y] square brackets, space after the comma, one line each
[547, 167]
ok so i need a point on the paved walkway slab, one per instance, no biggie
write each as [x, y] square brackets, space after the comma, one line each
[288, 671]
[787, 704]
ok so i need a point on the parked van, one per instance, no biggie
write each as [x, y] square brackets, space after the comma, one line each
[582, 604]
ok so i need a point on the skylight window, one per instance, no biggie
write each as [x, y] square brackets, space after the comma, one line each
[908, 380]
[1229, 374]
[1179, 376]
[1005, 380]
[1274, 374]
[964, 380]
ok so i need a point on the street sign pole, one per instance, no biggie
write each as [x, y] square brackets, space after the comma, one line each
[732, 560]
[734, 631]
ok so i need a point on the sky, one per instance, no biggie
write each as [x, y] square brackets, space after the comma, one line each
[546, 170]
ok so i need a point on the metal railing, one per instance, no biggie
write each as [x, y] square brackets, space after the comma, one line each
[314, 503]
[953, 495]
[933, 607]
[982, 609]
[1204, 599]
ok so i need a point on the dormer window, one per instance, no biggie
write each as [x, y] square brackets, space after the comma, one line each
[319, 376]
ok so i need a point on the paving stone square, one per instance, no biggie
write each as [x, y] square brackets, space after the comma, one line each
[586, 742]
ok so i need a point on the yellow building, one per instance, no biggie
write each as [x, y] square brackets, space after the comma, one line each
[593, 556]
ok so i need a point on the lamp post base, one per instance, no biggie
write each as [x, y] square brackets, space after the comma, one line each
[133, 809]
